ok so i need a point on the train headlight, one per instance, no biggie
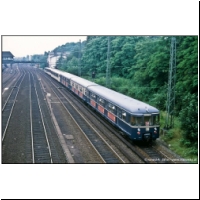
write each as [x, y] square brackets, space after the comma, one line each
[155, 129]
[138, 129]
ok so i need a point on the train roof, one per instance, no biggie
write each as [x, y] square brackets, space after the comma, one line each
[129, 104]
[75, 78]
[83, 82]
[65, 74]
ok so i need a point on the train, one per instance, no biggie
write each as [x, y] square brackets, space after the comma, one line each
[136, 119]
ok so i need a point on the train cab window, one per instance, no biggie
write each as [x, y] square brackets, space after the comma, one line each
[132, 120]
[156, 119]
[147, 120]
[138, 121]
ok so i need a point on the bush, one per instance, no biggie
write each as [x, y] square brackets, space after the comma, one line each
[169, 135]
[189, 122]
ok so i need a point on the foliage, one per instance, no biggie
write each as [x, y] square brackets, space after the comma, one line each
[189, 120]
[41, 58]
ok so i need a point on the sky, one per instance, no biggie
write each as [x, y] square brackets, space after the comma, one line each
[21, 46]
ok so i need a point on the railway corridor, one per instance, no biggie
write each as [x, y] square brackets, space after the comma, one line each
[25, 123]
[38, 129]
[42, 122]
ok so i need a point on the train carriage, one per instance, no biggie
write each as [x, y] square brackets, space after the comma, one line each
[138, 120]
[65, 79]
[54, 73]
[79, 86]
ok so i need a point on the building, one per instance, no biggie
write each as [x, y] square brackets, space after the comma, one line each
[7, 57]
[53, 57]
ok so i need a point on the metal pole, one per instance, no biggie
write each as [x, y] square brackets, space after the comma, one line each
[171, 86]
[108, 65]
[79, 60]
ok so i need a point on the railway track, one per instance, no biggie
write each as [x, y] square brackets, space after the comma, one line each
[8, 78]
[57, 154]
[41, 151]
[9, 105]
[151, 155]
[25, 118]
[105, 151]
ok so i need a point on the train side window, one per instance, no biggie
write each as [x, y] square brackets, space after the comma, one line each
[124, 115]
[86, 92]
[111, 108]
[101, 101]
[93, 96]
[119, 113]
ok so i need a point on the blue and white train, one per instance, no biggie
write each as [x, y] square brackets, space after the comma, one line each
[138, 120]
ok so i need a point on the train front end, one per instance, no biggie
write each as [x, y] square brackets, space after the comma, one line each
[145, 127]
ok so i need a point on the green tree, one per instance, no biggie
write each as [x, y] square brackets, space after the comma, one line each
[189, 122]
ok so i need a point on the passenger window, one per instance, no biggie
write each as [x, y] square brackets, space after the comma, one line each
[93, 96]
[111, 108]
[119, 113]
[101, 101]
[124, 115]
[86, 92]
